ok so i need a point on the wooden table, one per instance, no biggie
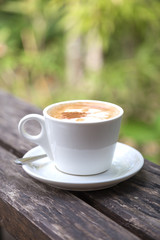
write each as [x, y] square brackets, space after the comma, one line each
[30, 209]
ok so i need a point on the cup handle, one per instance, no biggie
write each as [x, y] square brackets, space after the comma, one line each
[40, 139]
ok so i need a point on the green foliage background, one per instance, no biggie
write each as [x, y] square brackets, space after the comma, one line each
[33, 39]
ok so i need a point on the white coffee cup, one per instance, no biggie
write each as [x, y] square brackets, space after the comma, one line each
[79, 148]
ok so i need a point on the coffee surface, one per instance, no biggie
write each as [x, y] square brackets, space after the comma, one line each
[83, 111]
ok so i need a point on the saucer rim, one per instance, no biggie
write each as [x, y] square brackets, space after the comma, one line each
[63, 184]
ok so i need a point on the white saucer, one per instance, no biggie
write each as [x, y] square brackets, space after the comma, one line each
[126, 163]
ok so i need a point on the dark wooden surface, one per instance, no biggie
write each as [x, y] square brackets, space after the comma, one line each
[30, 209]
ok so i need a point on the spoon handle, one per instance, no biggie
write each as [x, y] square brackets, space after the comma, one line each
[22, 161]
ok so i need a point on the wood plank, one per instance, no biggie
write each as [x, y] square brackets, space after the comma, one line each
[12, 110]
[33, 210]
[133, 204]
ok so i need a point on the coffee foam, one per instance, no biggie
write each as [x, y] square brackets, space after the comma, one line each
[91, 115]
[84, 112]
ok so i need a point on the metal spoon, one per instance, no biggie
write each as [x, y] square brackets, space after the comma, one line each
[22, 161]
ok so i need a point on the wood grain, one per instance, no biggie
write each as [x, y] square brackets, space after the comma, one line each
[12, 110]
[133, 204]
[32, 210]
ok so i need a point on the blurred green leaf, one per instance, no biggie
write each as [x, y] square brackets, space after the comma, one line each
[36, 35]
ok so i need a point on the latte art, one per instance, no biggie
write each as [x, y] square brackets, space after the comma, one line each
[84, 111]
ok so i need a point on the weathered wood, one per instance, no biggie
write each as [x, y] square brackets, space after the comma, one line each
[134, 204]
[12, 110]
[32, 210]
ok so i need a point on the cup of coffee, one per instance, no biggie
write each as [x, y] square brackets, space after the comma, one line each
[79, 136]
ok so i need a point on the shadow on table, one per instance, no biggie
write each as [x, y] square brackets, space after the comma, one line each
[5, 235]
